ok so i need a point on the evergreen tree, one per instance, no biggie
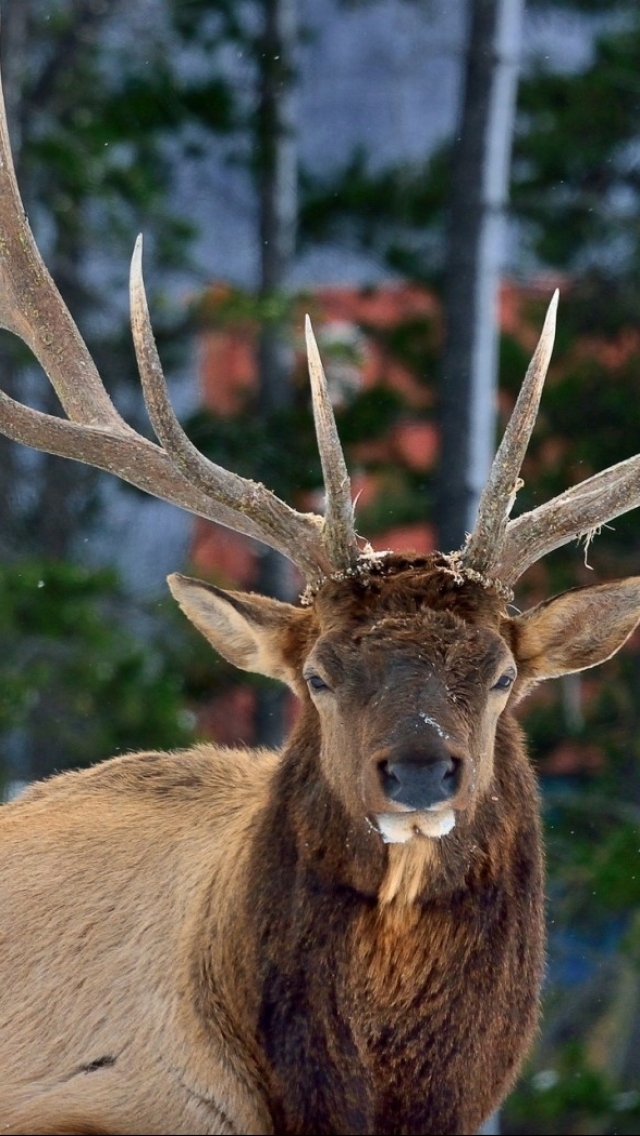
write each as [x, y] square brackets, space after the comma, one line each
[575, 193]
[97, 127]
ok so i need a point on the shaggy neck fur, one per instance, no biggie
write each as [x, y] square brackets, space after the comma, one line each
[367, 926]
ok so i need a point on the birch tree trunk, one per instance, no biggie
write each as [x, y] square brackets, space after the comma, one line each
[474, 259]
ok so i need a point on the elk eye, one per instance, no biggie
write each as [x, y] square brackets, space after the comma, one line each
[316, 683]
[504, 682]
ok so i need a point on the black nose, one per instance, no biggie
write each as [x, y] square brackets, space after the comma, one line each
[419, 782]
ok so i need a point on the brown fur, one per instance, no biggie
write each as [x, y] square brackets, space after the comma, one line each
[220, 941]
[65, 1125]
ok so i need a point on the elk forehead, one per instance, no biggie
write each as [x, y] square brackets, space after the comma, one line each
[427, 651]
[399, 584]
[415, 618]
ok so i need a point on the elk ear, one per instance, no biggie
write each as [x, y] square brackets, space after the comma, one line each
[577, 629]
[252, 632]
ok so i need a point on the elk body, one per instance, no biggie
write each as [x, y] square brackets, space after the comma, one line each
[344, 937]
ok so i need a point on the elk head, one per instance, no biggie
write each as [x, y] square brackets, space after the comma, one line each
[404, 672]
[406, 663]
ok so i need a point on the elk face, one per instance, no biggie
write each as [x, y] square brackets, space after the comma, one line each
[409, 706]
[407, 697]
[403, 679]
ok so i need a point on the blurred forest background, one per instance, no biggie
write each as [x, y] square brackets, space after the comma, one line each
[271, 150]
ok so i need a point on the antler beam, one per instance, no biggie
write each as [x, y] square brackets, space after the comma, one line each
[95, 433]
[573, 514]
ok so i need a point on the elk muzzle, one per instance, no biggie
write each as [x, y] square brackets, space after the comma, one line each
[422, 770]
[418, 783]
[420, 780]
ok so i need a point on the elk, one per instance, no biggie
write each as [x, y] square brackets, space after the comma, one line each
[344, 936]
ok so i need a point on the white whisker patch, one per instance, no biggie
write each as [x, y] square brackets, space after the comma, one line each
[399, 828]
[406, 873]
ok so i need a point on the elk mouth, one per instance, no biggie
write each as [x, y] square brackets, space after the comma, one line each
[401, 827]
[417, 794]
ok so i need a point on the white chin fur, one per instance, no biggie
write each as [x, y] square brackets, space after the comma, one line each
[398, 828]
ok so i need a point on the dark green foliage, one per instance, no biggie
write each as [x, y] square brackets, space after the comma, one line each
[283, 443]
[207, 23]
[396, 212]
[575, 175]
[583, 1074]
[79, 674]
[572, 1097]
[588, 7]
[94, 155]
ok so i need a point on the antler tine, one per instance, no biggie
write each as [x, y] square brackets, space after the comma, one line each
[296, 535]
[32, 308]
[339, 531]
[574, 513]
[483, 550]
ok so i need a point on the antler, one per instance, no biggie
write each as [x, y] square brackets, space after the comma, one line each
[95, 433]
[501, 549]
[483, 548]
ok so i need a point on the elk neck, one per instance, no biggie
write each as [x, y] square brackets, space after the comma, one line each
[323, 939]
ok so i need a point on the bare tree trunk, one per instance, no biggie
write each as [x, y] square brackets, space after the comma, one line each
[479, 192]
[480, 179]
[277, 174]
